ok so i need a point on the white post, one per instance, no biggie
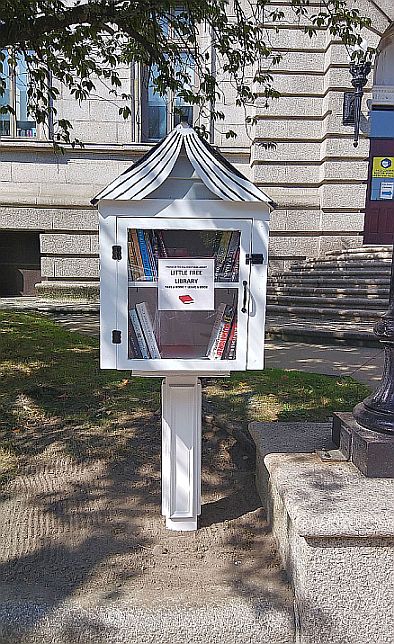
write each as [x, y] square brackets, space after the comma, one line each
[181, 451]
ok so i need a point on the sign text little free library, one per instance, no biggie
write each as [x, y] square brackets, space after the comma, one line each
[186, 284]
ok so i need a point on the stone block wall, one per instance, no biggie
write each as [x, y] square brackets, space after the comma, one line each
[313, 172]
[50, 193]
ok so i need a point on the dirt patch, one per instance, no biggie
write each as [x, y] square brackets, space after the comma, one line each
[82, 519]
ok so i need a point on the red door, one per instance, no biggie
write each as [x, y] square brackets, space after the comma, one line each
[379, 207]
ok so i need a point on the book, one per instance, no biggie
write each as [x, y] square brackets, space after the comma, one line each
[150, 253]
[139, 268]
[133, 267]
[222, 331]
[235, 267]
[186, 299]
[155, 250]
[228, 264]
[134, 347]
[161, 244]
[147, 328]
[216, 327]
[139, 334]
[222, 252]
[231, 344]
[144, 256]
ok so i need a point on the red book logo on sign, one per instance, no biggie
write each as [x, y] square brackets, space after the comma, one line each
[186, 299]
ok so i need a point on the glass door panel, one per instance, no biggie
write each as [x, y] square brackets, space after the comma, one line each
[200, 317]
[197, 335]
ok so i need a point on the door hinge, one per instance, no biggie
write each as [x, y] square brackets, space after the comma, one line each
[117, 252]
[116, 337]
[255, 258]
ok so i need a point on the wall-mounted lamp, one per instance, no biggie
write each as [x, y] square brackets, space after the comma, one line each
[352, 100]
[359, 69]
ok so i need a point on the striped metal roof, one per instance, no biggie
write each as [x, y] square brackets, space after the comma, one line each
[149, 172]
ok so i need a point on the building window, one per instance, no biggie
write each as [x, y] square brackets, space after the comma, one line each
[159, 114]
[19, 123]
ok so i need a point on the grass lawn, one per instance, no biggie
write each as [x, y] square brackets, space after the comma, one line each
[53, 392]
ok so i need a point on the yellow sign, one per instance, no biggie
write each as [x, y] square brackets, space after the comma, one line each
[383, 168]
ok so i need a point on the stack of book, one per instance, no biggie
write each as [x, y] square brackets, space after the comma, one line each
[145, 248]
[227, 256]
[223, 341]
[142, 340]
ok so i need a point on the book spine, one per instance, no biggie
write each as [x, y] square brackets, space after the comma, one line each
[134, 347]
[139, 334]
[225, 319]
[147, 328]
[132, 261]
[229, 261]
[144, 255]
[235, 267]
[150, 253]
[231, 346]
[139, 272]
[222, 252]
[224, 333]
[155, 250]
[216, 242]
[162, 246]
[215, 328]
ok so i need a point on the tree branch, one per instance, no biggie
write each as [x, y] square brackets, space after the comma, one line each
[15, 32]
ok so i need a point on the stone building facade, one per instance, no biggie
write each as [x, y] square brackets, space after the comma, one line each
[48, 229]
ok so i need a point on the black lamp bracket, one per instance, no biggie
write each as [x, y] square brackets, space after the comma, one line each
[352, 100]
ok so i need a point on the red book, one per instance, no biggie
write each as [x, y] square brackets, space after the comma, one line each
[186, 299]
[229, 352]
[218, 348]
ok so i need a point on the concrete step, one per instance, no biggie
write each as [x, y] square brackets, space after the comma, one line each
[311, 290]
[331, 523]
[313, 301]
[306, 311]
[328, 330]
[361, 250]
[316, 334]
[339, 280]
[125, 620]
[344, 272]
[341, 266]
[373, 257]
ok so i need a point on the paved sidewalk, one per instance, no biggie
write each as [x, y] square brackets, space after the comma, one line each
[362, 363]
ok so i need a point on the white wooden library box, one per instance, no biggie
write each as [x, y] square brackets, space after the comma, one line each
[184, 253]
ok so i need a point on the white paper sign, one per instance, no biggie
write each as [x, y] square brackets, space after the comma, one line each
[386, 190]
[186, 284]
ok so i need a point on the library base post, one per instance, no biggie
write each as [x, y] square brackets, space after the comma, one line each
[181, 451]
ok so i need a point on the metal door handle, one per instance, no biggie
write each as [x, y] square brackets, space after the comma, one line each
[245, 284]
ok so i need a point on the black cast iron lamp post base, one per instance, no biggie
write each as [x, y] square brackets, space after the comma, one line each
[366, 437]
[377, 411]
